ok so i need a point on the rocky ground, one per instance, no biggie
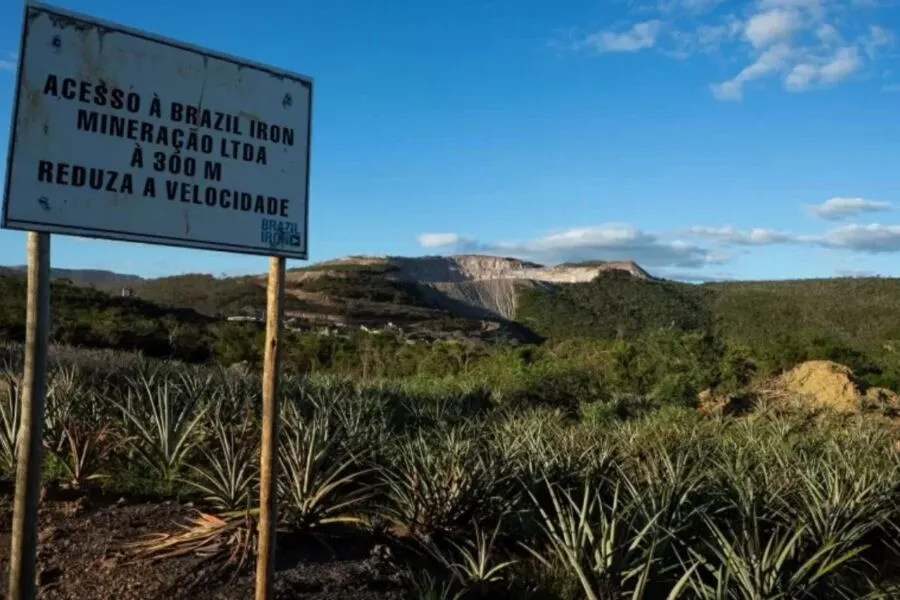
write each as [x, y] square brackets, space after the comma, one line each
[83, 556]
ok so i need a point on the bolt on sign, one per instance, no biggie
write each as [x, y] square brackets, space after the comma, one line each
[123, 135]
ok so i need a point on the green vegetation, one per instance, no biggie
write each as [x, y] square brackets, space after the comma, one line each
[208, 295]
[501, 494]
[647, 336]
[89, 317]
[862, 312]
[575, 468]
[775, 325]
[363, 285]
[379, 268]
[204, 293]
[615, 304]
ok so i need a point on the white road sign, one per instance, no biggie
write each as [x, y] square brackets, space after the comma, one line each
[123, 135]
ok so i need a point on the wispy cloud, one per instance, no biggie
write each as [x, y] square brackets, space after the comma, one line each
[770, 61]
[873, 238]
[688, 6]
[765, 28]
[638, 37]
[437, 240]
[855, 273]
[839, 208]
[610, 241]
[804, 45]
[8, 62]
[800, 42]
[752, 237]
[690, 252]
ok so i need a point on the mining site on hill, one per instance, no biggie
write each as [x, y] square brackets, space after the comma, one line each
[429, 403]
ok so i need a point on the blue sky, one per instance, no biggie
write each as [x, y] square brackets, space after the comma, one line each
[701, 138]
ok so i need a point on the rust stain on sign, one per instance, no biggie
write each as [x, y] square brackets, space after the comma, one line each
[64, 22]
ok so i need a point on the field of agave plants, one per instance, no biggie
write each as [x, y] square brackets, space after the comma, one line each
[464, 494]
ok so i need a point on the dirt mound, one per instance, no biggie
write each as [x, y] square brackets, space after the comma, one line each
[826, 384]
[813, 384]
[823, 384]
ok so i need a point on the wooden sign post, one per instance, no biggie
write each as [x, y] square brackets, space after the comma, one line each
[268, 454]
[22, 567]
[120, 134]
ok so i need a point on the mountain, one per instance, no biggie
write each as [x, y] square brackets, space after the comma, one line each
[470, 296]
[81, 276]
[422, 292]
[496, 298]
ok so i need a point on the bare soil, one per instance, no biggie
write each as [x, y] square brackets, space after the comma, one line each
[81, 556]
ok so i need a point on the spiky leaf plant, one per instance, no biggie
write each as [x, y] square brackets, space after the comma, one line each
[163, 425]
[474, 565]
[609, 546]
[439, 482]
[320, 482]
[227, 470]
[10, 419]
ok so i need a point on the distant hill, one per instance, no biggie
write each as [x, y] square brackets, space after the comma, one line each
[81, 276]
[502, 298]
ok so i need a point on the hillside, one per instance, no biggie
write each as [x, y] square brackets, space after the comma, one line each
[505, 299]
[95, 277]
[470, 286]
[614, 304]
[84, 316]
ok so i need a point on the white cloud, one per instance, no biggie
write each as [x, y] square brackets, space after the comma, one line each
[753, 237]
[688, 6]
[838, 208]
[874, 238]
[771, 61]
[609, 241]
[829, 35]
[845, 62]
[9, 63]
[693, 253]
[805, 43]
[766, 28]
[814, 8]
[438, 240]
[855, 273]
[877, 39]
[638, 37]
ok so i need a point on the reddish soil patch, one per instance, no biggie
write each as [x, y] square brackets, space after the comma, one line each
[81, 556]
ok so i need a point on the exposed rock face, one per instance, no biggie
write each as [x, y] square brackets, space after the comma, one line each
[455, 269]
[470, 267]
[483, 298]
[477, 286]
[488, 286]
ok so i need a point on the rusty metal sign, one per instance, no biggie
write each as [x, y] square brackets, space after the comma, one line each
[124, 135]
